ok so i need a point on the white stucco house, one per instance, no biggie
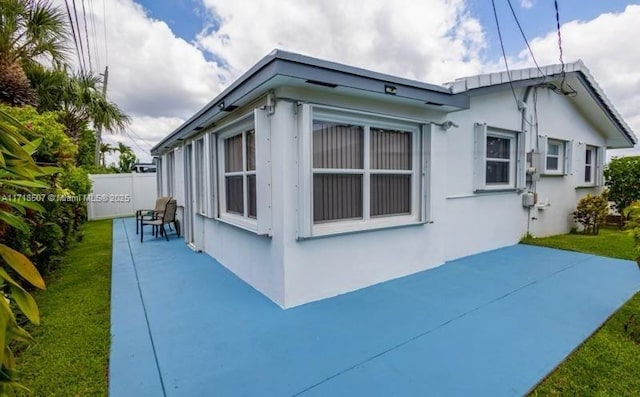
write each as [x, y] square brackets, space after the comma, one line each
[309, 179]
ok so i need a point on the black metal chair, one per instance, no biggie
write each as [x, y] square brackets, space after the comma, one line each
[168, 216]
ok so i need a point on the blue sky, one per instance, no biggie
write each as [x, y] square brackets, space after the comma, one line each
[169, 58]
[187, 18]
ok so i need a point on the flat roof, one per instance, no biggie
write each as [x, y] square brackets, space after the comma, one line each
[315, 71]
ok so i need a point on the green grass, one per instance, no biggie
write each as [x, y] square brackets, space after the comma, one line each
[610, 242]
[71, 353]
[607, 363]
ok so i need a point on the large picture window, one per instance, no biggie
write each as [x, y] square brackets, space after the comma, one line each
[364, 173]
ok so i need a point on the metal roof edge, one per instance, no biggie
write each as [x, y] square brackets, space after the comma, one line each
[290, 64]
[531, 76]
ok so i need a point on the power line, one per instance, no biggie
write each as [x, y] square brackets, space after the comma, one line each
[86, 34]
[106, 47]
[75, 12]
[504, 54]
[562, 71]
[128, 133]
[73, 31]
[524, 37]
[94, 32]
[142, 139]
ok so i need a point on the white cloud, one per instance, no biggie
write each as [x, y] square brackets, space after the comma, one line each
[527, 3]
[431, 40]
[605, 44]
[161, 79]
[154, 76]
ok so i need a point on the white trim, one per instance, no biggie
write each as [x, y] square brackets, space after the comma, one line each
[263, 171]
[513, 146]
[307, 114]
[560, 157]
[592, 165]
[305, 173]
[238, 127]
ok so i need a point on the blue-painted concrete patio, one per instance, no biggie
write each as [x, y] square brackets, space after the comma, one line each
[492, 324]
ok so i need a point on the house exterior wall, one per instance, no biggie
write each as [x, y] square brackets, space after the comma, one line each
[292, 270]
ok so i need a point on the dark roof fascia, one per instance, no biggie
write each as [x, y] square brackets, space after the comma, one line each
[281, 63]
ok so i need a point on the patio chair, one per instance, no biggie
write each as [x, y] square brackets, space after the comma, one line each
[168, 216]
[147, 214]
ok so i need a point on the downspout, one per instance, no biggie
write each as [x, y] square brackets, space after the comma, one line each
[522, 106]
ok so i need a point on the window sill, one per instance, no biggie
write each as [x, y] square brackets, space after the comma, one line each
[239, 222]
[350, 227]
[586, 186]
[496, 191]
[553, 175]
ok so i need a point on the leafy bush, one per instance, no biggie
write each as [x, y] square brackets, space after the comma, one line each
[49, 231]
[56, 148]
[19, 173]
[591, 212]
[622, 177]
[632, 213]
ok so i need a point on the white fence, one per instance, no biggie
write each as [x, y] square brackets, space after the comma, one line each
[115, 195]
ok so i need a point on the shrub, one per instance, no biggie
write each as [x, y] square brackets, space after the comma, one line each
[56, 148]
[591, 212]
[632, 213]
[622, 177]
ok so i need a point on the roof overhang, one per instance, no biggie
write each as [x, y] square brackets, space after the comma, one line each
[282, 68]
[589, 98]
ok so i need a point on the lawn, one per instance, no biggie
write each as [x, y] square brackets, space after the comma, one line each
[607, 363]
[71, 353]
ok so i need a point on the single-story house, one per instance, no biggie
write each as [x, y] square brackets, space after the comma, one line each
[309, 179]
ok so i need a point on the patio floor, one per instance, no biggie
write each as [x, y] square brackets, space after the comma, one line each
[491, 324]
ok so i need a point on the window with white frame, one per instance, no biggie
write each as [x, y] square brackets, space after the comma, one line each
[365, 172]
[554, 162]
[590, 165]
[200, 168]
[238, 185]
[170, 173]
[500, 159]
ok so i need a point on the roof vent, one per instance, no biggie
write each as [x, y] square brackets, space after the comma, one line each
[227, 108]
[322, 83]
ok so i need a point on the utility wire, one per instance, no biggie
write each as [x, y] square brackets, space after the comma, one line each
[135, 142]
[504, 54]
[75, 40]
[106, 47]
[94, 33]
[75, 12]
[86, 35]
[141, 139]
[525, 38]
[562, 71]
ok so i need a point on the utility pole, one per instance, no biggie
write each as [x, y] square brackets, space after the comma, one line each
[99, 127]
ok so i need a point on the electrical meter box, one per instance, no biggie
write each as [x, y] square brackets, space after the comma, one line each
[528, 200]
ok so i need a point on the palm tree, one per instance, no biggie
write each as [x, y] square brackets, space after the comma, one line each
[104, 149]
[127, 157]
[80, 100]
[31, 31]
